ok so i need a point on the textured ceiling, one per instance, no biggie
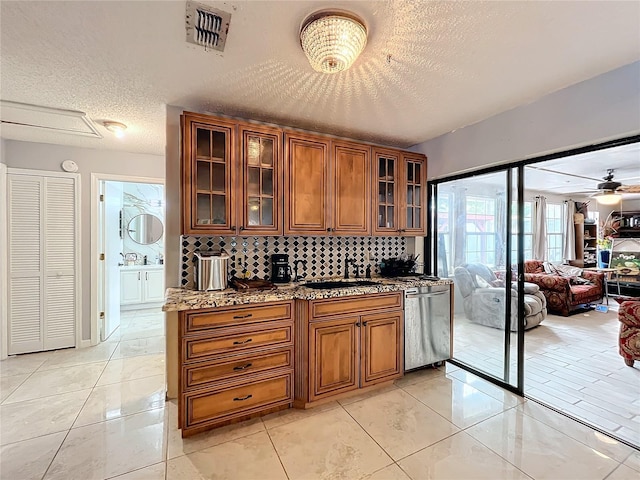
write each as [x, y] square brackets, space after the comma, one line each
[452, 64]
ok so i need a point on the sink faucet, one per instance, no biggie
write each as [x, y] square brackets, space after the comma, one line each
[348, 261]
[297, 278]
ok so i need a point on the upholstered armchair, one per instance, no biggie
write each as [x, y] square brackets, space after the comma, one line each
[484, 300]
[562, 296]
[629, 341]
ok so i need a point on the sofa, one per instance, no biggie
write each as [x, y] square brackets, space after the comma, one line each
[629, 340]
[484, 300]
[562, 294]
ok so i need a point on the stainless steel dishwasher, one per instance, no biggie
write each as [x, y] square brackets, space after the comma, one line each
[427, 325]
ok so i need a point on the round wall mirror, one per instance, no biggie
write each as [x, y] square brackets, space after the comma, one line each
[145, 229]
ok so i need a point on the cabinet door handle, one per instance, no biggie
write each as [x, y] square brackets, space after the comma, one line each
[357, 324]
[328, 229]
[364, 323]
[138, 275]
[242, 367]
[243, 316]
[242, 343]
[146, 275]
[241, 228]
[240, 399]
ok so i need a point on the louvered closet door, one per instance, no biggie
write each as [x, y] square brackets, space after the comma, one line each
[59, 263]
[26, 328]
[42, 267]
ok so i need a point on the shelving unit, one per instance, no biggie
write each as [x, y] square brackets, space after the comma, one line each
[586, 244]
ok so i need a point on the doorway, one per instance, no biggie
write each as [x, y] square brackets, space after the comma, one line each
[128, 238]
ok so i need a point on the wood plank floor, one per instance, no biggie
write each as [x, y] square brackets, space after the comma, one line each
[571, 363]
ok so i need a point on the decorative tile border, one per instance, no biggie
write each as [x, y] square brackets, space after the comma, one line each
[324, 255]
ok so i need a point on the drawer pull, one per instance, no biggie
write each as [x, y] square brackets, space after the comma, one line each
[248, 315]
[242, 367]
[240, 399]
[243, 342]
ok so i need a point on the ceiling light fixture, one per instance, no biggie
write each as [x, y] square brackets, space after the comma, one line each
[116, 128]
[608, 198]
[332, 40]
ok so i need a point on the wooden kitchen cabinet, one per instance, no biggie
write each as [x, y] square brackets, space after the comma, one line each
[306, 175]
[209, 175]
[351, 189]
[345, 344]
[236, 362]
[333, 348]
[261, 163]
[399, 193]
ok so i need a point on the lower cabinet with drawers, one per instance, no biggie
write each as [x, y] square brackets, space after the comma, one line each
[235, 363]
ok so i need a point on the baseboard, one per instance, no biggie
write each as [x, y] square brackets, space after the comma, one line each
[85, 343]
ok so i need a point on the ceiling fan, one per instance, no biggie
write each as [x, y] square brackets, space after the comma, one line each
[610, 191]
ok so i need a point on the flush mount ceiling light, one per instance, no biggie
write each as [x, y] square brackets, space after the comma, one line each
[608, 198]
[116, 128]
[332, 40]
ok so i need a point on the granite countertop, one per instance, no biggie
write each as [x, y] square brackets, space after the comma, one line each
[178, 299]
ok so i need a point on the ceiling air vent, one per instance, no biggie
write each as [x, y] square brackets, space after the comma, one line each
[207, 26]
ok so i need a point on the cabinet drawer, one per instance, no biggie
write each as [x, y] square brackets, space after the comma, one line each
[234, 315]
[209, 406]
[232, 339]
[200, 374]
[355, 305]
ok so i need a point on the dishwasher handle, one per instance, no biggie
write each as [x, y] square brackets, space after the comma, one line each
[426, 295]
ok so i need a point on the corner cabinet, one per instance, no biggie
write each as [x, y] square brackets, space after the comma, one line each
[399, 193]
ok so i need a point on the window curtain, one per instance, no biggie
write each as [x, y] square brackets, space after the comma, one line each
[569, 246]
[540, 228]
[460, 230]
[501, 229]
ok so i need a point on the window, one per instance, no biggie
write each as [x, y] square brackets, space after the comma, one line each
[555, 232]
[528, 231]
[481, 230]
[444, 261]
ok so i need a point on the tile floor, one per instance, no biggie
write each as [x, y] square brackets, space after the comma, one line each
[571, 363]
[108, 419]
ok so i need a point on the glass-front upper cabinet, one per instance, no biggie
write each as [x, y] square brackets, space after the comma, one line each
[386, 205]
[261, 153]
[414, 182]
[209, 175]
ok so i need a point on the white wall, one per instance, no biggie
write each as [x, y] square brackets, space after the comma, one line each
[596, 110]
[42, 156]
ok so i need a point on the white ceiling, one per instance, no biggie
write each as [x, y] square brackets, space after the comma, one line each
[452, 64]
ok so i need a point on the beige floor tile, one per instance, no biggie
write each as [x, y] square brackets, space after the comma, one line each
[623, 473]
[392, 472]
[399, 423]
[246, 458]
[119, 399]
[459, 457]
[283, 417]
[178, 446]
[22, 364]
[504, 396]
[140, 346]
[124, 369]
[78, 356]
[9, 384]
[61, 380]
[112, 448]
[29, 459]
[154, 472]
[328, 445]
[419, 376]
[633, 460]
[367, 394]
[456, 401]
[596, 440]
[34, 418]
[539, 450]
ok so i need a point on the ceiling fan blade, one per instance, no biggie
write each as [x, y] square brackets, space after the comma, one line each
[629, 189]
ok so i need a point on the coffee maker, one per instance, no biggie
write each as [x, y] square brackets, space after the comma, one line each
[280, 269]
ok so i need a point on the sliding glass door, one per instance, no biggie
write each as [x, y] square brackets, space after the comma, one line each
[474, 241]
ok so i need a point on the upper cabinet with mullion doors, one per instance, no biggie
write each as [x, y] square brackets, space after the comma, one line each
[209, 175]
[261, 154]
[399, 192]
[413, 194]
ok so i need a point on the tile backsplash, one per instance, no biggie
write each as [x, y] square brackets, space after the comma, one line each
[324, 255]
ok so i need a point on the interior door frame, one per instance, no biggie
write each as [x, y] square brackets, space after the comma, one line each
[4, 258]
[96, 179]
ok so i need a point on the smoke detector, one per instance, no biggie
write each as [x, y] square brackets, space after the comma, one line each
[207, 26]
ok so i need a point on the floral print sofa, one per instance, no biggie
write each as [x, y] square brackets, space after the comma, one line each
[629, 316]
[561, 294]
